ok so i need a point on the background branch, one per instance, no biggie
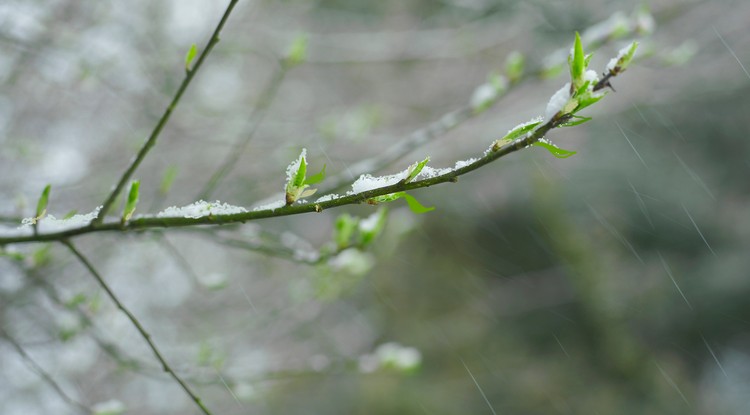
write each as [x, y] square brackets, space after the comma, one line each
[146, 336]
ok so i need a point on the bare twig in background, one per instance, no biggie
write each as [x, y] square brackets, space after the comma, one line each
[43, 373]
[146, 336]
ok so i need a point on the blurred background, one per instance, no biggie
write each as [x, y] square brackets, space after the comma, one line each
[612, 282]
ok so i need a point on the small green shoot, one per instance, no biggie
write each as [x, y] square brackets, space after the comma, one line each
[191, 53]
[577, 63]
[343, 230]
[297, 53]
[298, 183]
[515, 133]
[41, 205]
[415, 169]
[168, 180]
[132, 201]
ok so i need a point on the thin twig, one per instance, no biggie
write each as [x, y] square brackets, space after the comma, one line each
[151, 141]
[256, 119]
[146, 336]
[43, 373]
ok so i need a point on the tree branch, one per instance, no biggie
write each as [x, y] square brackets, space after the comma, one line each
[151, 141]
[146, 336]
[154, 222]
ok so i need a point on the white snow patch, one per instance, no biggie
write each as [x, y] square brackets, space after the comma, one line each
[270, 206]
[367, 182]
[430, 172]
[327, 198]
[50, 223]
[199, 209]
[591, 76]
[463, 163]
[370, 223]
[557, 102]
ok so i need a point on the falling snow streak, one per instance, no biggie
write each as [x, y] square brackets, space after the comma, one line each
[631, 144]
[731, 51]
[669, 272]
[671, 383]
[611, 229]
[559, 343]
[479, 387]
[716, 359]
[231, 392]
[642, 205]
[694, 176]
[698, 229]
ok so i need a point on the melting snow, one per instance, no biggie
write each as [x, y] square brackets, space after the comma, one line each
[557, 102]
[199, 209]
[50, 223]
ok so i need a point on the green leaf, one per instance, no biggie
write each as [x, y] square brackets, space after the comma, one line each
[168, 179]
[42, 256]
[578, 121]
[299, 177]
[556, 151]
[70, 214]
[41, 205]
[588, 100]
[132, 200]
[521, 130]
[344, 230]
[75, 301]
[190, 56]
[317, 178]
[297, 50]
[414, 169]
[577, 63]
[414, 205]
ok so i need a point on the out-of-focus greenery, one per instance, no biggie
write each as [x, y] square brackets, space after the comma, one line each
[611, 282]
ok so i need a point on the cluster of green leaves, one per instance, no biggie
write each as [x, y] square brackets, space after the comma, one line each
[350, 231]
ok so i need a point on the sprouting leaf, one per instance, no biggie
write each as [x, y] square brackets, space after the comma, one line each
[317, 178]
[75, 301]
[132, 200]
[556, 151]
[299, 177]
[344, 230]
[587, 100]
[371, 227]
[190, 56]
[42, 255]
[577, 62]
[41, 206]
[521, 130]
[297, 50]
[415, 206]
[168, 179]
[414, 169]
[618, 64]
[578, 121]
[70, 214]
